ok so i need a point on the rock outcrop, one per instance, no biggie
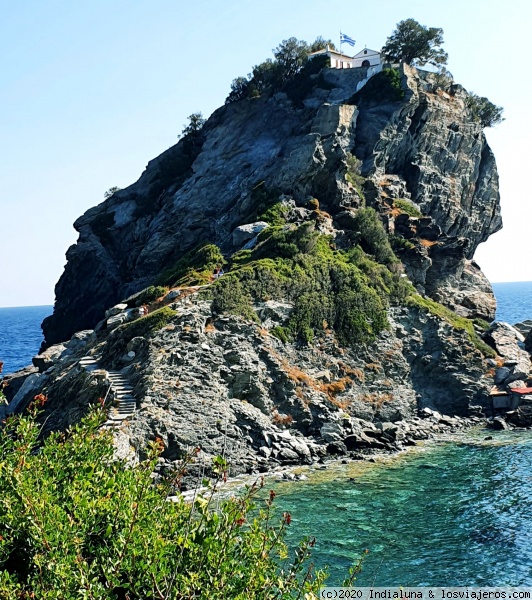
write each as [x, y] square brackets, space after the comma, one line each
[265, 179]
[228, 385]
[425, 147]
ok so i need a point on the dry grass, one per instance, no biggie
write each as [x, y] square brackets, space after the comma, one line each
[210, 328]
[299, 393]
[427, 243]
[377, 398]
[334, 388]
[280, 419]
[358, 374]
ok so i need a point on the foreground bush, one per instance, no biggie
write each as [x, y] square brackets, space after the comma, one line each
[76, 523]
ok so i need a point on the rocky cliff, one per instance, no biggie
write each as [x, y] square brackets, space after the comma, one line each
[317, 339]
[421, 145]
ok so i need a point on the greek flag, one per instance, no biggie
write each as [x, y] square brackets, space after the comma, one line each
[346, 39]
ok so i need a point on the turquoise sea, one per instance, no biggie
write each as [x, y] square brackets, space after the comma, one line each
[447, 513]
[456, 513]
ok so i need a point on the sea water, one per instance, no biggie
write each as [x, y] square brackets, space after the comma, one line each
[20, 335]
[514, 301]
[455, 513]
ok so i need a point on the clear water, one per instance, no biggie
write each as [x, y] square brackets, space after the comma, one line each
[454, 514]
[20, 335]
[514, 301]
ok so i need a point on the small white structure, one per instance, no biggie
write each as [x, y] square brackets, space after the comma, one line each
[366, 58]
[338, 59]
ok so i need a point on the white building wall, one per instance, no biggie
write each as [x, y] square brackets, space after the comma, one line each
[372, 56]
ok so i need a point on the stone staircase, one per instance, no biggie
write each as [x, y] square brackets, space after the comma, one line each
[125, 403]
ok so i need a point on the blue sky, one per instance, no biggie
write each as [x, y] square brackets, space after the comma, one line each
[91, 91]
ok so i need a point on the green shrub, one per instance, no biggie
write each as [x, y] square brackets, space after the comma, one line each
[275, 215]
[263, 199]
[280, 333]
[289, 71]
[230, 296]
[346, 291]
[374, 238]
[240, 258]
[148, 324]
[484, 111]
[301, 85]
[353, 175]
[193, 268]
[405, 206]
[76, 522]
[382, 88]
[287, 242]
[150, 294]
[399, 243]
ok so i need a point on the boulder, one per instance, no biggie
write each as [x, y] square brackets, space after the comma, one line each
[300, 447]
[31, 386]
[501, 374]
[118, 308]
[499, 424]
[504, 338]
[522, 416]
[46, 359]
[274, 312]
[332, 432]
[115, 320]
[243, 233]
[124, 317]
[80, 339]
[524, 327]
[336, 448]
[362, 440]
[13, 382]
[288, 455]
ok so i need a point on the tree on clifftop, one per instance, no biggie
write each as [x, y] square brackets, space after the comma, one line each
[413, 43]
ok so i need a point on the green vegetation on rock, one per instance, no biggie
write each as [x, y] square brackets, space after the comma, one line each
[347, 291]
[484, 111]
[413, 43]
[381, 88]
[275, 215]
[405, 206]
[148, 324]
[194, 267]
[290, 71]
[76, 522]
[149, 295]
[353, 174]
[453, 319]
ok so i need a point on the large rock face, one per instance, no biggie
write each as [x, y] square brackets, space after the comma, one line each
[427, 144]
[227, 385]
